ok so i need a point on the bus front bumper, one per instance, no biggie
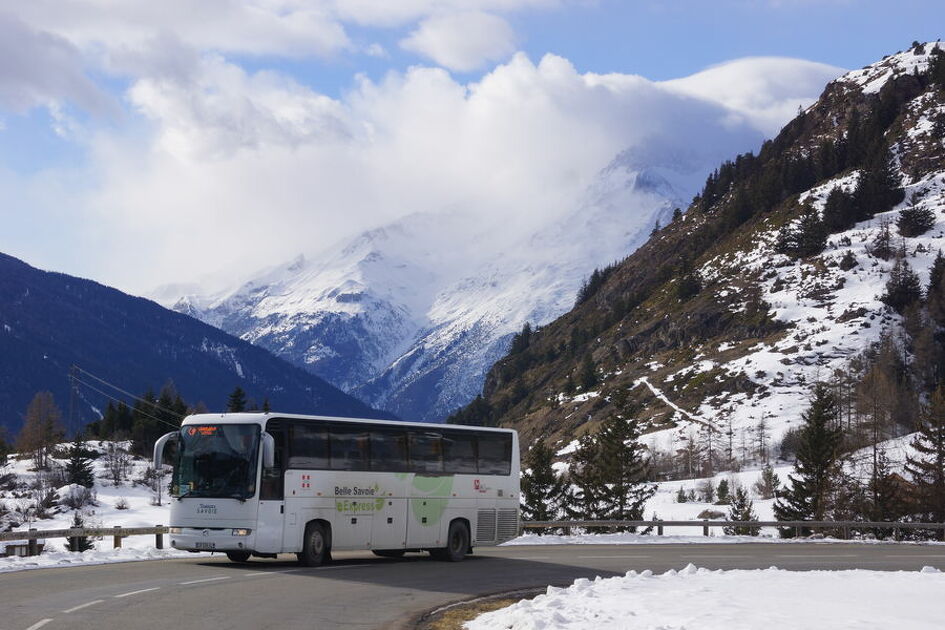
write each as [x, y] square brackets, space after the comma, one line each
[212, 539]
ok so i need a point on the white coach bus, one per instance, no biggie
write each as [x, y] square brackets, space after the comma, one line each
[259, 484]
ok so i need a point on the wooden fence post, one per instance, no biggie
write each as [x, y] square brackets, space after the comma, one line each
[117, 543]
[159, 539]
[659, 528]
[31, 543]
[705, 528]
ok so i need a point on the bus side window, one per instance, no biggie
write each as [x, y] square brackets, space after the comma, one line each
[495, 453]
[426, 452]
[459, 452]
[389, 450]
[308, 445]
[350, 448]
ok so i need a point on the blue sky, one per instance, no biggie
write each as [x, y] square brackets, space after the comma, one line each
[117, 118]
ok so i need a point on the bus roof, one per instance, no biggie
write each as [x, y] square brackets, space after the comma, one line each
[260, 418]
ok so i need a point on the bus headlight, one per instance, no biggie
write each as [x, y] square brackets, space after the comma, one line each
[241, 532]
[173, 530]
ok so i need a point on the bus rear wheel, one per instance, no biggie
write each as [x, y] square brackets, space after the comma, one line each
[314, 546]
[238, 556]
[457, 543]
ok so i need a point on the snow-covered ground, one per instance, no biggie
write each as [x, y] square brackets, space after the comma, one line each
[128, 504]
[733, 600]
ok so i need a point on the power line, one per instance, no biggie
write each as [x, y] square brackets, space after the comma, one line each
[129, 394]
[110, 397]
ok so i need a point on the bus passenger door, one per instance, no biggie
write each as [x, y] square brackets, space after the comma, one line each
[270, 519]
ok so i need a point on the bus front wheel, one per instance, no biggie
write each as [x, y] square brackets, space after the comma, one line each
[314, 546]
[238, 556]
[457, 543]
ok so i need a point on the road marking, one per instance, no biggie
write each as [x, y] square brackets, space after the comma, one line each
[213, 579]
[85, 605]
[818, 555]
[700, 556]
[39, 624]
[917, 556]
[144, 590]
[608, 557]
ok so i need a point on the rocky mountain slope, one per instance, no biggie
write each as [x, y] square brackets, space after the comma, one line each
[410, 317]
[715, 329]
[50, 321]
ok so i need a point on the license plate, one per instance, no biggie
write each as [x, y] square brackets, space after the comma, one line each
[205, 545]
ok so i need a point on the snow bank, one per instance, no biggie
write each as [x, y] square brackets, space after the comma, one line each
[733, 600]
[69, 558]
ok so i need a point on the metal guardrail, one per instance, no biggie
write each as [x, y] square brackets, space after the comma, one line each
[843, 526]
[31, 536]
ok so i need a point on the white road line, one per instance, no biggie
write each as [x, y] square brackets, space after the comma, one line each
[699, 556]
[818, 555]
[39, 624]
[530, 557]
[608, 557]
[85, 605]
[213, 579]
[144, 590]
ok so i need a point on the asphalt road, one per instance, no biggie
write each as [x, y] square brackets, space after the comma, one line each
[359, 590]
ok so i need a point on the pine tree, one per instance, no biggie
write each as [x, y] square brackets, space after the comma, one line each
[927, 465]
[82, 542]
[883, 492]
[818, 460]
[881, 245]
[840, 211]
[266, 408]
[903, 287]
[879, 188]
[807, 237]
[542, 489]
[681, 496]
[723, 492]
[237, 401]
[79, 467]
[742, 509]
[915, 220]
[767, 484]
[585, 486]
[623, 466]
[588, 373]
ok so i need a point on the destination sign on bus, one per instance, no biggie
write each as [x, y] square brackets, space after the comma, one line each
[205, 431]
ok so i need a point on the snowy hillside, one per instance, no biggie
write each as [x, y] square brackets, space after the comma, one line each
[411, 316]
[831, 313]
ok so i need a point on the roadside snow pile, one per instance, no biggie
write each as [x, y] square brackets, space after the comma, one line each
[733, 600]
[68, 558]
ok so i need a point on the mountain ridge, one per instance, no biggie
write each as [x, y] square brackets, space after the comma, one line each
[50, 321]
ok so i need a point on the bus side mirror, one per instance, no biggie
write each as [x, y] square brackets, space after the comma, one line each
[269, 450]
[159, 448]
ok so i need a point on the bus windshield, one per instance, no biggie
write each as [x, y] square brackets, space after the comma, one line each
[218, 461]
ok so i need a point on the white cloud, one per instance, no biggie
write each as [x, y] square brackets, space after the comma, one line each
[462, 41]
[764, 90]
[376, 50]
[265, 27]
[39, 69]
[238, 170]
